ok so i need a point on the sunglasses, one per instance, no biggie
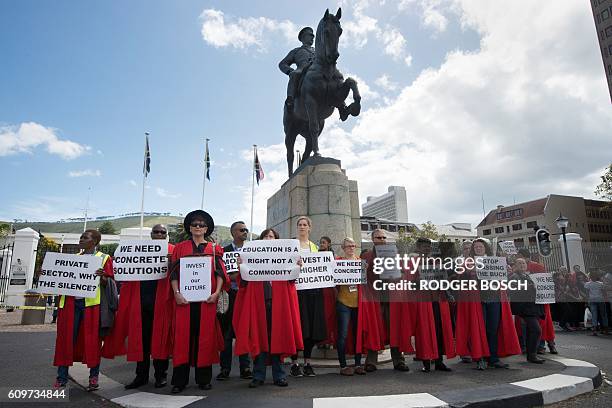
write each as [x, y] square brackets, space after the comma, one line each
[159, 232]
[198, 225]
[244, 230]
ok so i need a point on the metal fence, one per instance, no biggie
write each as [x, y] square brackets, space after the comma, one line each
[6, 253]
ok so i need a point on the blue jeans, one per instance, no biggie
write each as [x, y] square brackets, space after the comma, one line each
[79, 314]
[345, 315]
[259, 367]
[599, 314]
[491, 312]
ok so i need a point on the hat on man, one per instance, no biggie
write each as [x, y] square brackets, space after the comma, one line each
[303, 31]
[199, 214]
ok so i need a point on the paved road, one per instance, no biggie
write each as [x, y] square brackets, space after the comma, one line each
[27, 357]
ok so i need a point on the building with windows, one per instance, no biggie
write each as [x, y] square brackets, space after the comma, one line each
[592, 219]
[389, 206]
[602, 14]
[456, 232]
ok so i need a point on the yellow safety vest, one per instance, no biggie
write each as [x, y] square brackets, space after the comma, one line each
[94, 300]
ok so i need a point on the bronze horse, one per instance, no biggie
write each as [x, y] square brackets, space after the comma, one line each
[322, 89]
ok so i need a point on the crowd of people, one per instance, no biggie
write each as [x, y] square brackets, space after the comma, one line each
[265, 323]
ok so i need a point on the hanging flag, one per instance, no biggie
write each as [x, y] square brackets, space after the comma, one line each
[259, 173]
[207, 162]
[147, 160]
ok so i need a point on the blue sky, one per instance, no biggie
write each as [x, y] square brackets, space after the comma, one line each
[456, 94]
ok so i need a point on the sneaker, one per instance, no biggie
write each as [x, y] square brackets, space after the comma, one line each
[281, 383]
[346, 371]
[246, 374]
[93, 384]
[308, 371]
[481, 365]
[223, 375]
[296, 371]
[58, 384]
[359, 370]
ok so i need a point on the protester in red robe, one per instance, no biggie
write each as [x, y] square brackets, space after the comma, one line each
[78, 321]
[393, 314]
[144, 318]
[267, 324]
[329, 300]
[433, 327]
[197, 334]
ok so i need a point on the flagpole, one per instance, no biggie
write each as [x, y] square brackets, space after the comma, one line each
[144, 180]
[253, 190]
[86, 208]
[206, 164]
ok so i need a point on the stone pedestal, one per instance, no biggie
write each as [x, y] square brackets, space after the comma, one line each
[319, 189]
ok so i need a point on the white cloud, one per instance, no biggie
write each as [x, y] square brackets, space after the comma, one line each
[430, 12]
[243, 33]
[85, 173]
[385, 83]
[132, 183]
[525, 116]
[29, 135]
[165, 194]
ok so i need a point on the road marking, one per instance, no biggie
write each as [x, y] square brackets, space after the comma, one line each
[570, 362]
[558, 387]
[420, 400]
[151, 400]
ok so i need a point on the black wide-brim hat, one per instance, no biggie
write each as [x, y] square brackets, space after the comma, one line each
[199, 214]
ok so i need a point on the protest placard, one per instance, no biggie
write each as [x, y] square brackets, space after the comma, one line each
[349, 272]
[492, 268]
[388, 252]
[141, 260]
[230, 259]
[195, 278]
[317, 271]
[433, 274]
[69, 274]
[270, 260]
[508, 247]
[545, 287]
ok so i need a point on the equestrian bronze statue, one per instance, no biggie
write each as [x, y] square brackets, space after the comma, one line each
[316, 87]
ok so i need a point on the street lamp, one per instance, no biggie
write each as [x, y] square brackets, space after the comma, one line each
[562, 223]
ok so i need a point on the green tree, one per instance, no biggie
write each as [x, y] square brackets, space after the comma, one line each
[604, 189]
[44, 245]
[108, 248]
[406, 239]
[107, 227]
[177, 234]
[5, 229]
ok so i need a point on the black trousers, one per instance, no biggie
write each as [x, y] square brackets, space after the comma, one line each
[180, 374]
[439, 331]
[532, 326]
[142, 367]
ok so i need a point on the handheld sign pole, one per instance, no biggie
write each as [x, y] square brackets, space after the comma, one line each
[252, 191]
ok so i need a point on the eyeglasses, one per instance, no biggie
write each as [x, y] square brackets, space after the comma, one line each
[198, 225]
[159, 232]
[244, 230]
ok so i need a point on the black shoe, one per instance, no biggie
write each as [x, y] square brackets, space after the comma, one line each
[255, 383]
[426, 366]
[499, 364]
[205, 387]
[223, 375]
[308, 371]
[296, 371]
[370, 368]
[443, 367]
[552, 349]
[533, 358]
[481, 365]
[177, 388]
[281, 383]
[246, 374]
[160, 382]
[138, 382]
[401, 367]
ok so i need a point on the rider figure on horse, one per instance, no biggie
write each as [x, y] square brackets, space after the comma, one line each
[302, 58]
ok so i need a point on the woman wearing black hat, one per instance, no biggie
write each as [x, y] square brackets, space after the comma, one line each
[197, 335]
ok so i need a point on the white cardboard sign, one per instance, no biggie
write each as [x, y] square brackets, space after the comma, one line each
[195, 278]
[545, 287]
[141, 260]
[388, 251]
[349, 272]
[69, 274]
[317, 271]
[270, 260]
[494, 268]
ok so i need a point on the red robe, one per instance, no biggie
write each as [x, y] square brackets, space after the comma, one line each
[331, 322]
[403, 317]
[87, 348]
[546, 324]
[470, 330]
[251, 325]
[128, 322]
[210, 337]
[371, 330]
[507, 340]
